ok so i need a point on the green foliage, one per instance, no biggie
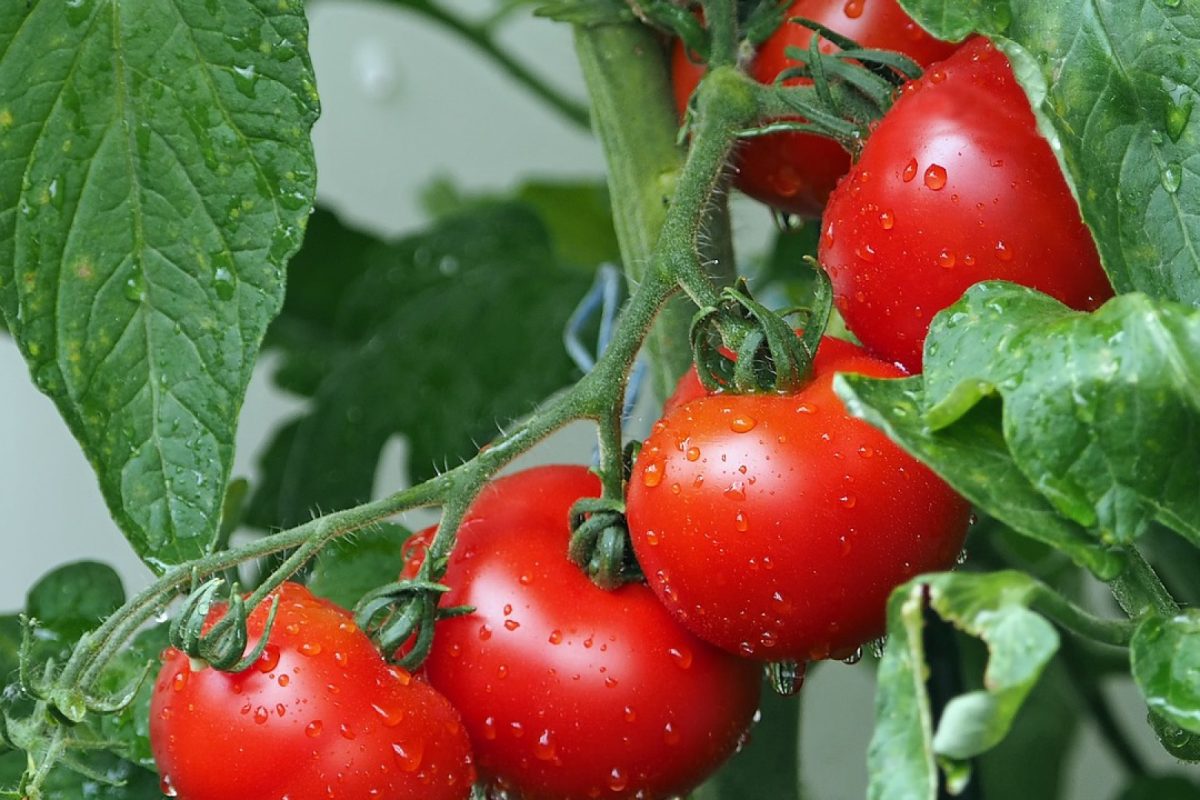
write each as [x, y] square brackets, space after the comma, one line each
[353, 565]
[1114, 85]
[74, 598]
[993, 607]
[440, 337]
[1165, 654]
[155, 176]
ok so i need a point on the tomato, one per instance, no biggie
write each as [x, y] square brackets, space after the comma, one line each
[775, 526]
[954, 186]
[795, 171]
[319, 715]
[569, 691]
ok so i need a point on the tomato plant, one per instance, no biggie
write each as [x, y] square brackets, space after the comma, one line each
[955, 186]
[569, 691]
[796, 172]
[776, 526]
[319, 714]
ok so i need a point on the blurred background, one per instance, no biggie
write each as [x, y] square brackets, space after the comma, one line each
[407, 103]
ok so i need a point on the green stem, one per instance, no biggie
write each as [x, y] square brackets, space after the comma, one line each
[1138, 589]
[1116, 632]
[634, 118]
[720, 17]
[481, 37]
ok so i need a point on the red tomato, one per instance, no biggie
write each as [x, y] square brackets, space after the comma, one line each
[319, 715]
[569, 691]
[795, 171]
[775, 526]
[955, 186]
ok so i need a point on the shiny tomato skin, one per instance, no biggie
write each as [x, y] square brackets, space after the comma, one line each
[775, 526]
[319, 715]
[568, 691]
[954, 186]
[795, 172]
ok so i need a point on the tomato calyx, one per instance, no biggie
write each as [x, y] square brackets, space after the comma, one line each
[767, 355]
[221, 644]
[600, 543]
[400, 617]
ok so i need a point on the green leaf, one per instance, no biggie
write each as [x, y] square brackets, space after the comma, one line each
[1165, 654]
[991, 607]
[353, 565]
[131, 782]
[971, 456]
[74, 598]
[1100, 411]
[155, 176]
[440, 338]
[769, 765]
[1113, 84]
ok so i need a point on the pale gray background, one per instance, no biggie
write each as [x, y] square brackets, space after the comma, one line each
[405, 102]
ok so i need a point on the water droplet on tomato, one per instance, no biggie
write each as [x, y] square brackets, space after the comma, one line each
[866, 252]
[910, 171]
[341, 659]
[310, 649]
[768, 638]
[511, 624]
[740, 522]
[391, 717]
[937, 76]
[610, 682]
[268, 659]
[735, 491]
[166, 787]
[313, 729]
[848, 500]
[854, 657]
[543, 748]
[653, 474]
[489, 728]
[1003, 252]
[409, 754]
[516, 729]
[887, 220]
[261, 715]
[742, 423]
[682, 657]
[556, 637]
[946, 259]
[935, 177]
[786, 677]
[670, 734]
[617, 780]
[485, 632]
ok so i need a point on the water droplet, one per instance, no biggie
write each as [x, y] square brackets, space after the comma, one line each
[310, 648]
[268, 659]
[489, 728]
[937, 76]
[261, 715]
[935, 177]
[511, 624]
[735, 491]
[224, 284]
[653, 474]
[341, 659]
[402, 676]
[610, 682]
[854, 657]
[652, 538]
[180, 681]
[786, 677]
[1178, 114]
[848, 500]
[617, 780]
[671, 734]
[946, 259]
[853, 8]
[630, 714]
[556, 637]
[692, 454]
[543, 748]
[166, 787]
[910, 171]
[768, 638]
[409, 754]
[887, 220]
[961, 558]
[346, 731]
[245, 79]
[135, 288]
[740, 522]
[681, 656]
[866, 252]
[1003, 252]
[485, 632]
[502, 671]
[1172, 177]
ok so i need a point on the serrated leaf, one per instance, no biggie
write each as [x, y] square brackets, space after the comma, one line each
[992, 607]
[971, 456]
[1165, 654]
[353, 565]
[1101, 411]
[439, 338]
[72, 599]
[1113, 84]
[155, 176]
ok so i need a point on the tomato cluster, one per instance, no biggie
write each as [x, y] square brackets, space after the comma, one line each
[769, 526]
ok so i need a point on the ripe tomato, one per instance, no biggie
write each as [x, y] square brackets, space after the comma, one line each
[775, 526]
[795, 171]
[320, 715]
[954, 186]
[569, 691]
